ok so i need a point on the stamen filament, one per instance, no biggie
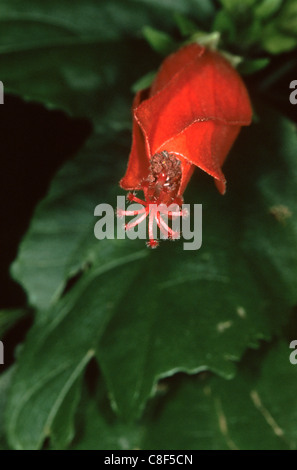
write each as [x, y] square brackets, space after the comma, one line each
[152, 242]
[172, 233]
[137, 221]
[121, 212]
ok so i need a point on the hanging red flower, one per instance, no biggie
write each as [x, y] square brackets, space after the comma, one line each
[189, 117]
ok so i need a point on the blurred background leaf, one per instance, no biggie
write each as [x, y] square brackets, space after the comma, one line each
[258, 26]
[70, 56]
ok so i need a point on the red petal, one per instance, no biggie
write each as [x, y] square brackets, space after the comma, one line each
[187, 171]
[196, 107]
[138, 164]
[206, 89]
[173, 64]
[206, 145]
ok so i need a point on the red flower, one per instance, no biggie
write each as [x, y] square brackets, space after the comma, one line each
[190, 116]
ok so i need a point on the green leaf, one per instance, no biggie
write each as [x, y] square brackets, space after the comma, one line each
[62, 430]
[37, 395]
[185, 26]
[202, 11]
[250, 26]
[288, 19]
[56, 21]
[5, 383]
[255, 411]
[159, 41]
[224, 23]
[238, 8]
[144, 82]
[58, 348]
[275, 41]
[98, 428]
[267, 8]
[9, 317]
[253, 65]
[271, 230]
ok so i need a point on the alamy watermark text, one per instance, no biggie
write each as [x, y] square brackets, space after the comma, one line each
[189, 227]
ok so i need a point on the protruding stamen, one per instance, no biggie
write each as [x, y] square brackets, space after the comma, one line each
[177, 213]
[122, 212]
[162, 230]
[133, 224]
[152, 212]
[171, 233]
[132, 198]
[181, 213]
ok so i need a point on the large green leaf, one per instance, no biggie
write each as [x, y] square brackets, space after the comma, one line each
[58, 348]
[249, 412]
